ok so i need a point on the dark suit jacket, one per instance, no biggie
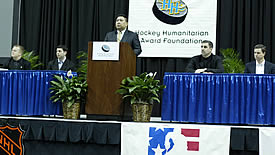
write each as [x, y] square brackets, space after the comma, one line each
[269, 68]
[67, 65]
[21, 64]
[129, 37]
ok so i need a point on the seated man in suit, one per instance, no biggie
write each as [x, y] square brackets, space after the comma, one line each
[260, 66]
[16, 62]
[122, 34]
[61, 63]
[206, 62]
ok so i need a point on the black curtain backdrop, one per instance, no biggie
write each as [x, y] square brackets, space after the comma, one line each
[243, 24]
[46, 24]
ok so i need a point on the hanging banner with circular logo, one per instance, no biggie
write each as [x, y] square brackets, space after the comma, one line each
[173, 28]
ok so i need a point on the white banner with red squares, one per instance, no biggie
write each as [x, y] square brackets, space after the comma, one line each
[174, 139]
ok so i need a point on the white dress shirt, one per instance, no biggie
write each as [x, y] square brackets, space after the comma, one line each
[260, 67]
[60, 63]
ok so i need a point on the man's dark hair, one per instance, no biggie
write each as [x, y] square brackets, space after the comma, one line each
[209, 43]
[64, 47]
[260, 46]
[122, 15]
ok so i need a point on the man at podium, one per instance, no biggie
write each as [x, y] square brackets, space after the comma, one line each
[122, 34]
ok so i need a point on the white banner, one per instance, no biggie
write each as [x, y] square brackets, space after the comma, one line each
[266, 141]
[174, 139]
[173, 28]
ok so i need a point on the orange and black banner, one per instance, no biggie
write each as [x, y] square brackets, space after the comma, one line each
[11, 140]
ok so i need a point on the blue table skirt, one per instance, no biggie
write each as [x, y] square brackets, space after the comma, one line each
[27, 93]
[219, 98]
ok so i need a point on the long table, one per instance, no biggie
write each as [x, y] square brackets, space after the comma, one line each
[27, 93]
[219, 98]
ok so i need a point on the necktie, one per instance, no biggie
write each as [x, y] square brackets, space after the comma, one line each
[119, 36]
[60, 63]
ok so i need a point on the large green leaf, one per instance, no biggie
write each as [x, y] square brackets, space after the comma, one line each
[122, 91]
[133, 88]
[56, 84]
[156, 99]
[125, 96]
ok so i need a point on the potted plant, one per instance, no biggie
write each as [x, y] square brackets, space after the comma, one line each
[69, 90]
[142, 91]
[33, 59]
[231, 62]
[83, 63]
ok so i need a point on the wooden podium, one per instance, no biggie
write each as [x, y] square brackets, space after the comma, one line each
[104, 78]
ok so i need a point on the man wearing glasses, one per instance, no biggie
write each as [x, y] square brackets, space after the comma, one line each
[206, 62]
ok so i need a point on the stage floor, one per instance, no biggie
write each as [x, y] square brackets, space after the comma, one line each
[83, 118]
